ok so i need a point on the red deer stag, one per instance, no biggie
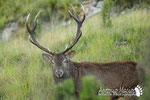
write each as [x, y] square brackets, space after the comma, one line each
[112, 74]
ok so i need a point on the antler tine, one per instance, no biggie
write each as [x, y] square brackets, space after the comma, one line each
[31, 31]
[72, 16]
[35, 21]
[83, 13]
[27, 22]
[79, 25]
[75, 12]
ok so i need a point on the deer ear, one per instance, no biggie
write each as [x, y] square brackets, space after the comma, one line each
[70, 55]
[47, 57]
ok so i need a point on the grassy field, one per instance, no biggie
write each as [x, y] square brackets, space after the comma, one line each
[25, 75]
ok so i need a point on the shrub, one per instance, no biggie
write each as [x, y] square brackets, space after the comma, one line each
[119, 5]
[65, 90]
[106, 10]
[130, 3]
[89, 89]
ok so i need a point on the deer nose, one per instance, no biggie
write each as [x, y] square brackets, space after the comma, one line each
[59, 73]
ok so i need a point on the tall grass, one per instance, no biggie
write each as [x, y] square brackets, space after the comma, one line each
[25, 75]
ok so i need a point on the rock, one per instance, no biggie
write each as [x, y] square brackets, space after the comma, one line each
[89, 11]
[89, 2]
[7, 32]
[122, 13]
[65, 23]
[99, 4]
[121, 43]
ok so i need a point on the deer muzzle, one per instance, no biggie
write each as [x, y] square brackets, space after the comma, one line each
[59, 73]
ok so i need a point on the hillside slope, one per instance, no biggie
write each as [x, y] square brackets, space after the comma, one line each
[25, 75]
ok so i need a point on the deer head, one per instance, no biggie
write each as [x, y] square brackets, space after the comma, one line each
[60, 61]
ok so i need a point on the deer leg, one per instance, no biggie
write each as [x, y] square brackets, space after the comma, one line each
[76, 95]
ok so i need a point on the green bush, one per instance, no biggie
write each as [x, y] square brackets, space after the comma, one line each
[65, 90]
[89, 89]
[106, 10]
[130, 3]
[119, 5]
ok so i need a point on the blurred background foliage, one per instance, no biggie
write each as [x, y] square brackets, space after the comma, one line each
[131, 3]
[117, 6]
[16, 10]
[65, 90]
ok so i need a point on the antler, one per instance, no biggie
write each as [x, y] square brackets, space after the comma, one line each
[79, 25]
[31, 31]
[34, 25]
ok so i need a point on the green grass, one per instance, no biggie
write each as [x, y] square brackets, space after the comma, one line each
[25, 75]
